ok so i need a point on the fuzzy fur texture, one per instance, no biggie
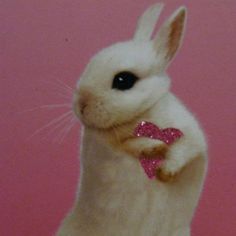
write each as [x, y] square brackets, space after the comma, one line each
[115, 197]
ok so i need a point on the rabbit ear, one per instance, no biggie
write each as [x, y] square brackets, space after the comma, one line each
[169, 37]
[147, 22]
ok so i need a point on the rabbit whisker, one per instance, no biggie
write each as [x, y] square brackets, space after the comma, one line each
[54, 121]
[49, 106]
[66, 96]
[65, 85]
[61, 87]
[64, 132]
[58, 125]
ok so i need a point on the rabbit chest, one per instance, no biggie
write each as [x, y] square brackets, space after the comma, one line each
[116, 196]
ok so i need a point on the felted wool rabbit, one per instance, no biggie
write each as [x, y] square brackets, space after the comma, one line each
[122, 86]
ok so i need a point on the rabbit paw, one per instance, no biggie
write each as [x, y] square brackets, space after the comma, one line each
[143, 147]
[154, 149]
[168, 171]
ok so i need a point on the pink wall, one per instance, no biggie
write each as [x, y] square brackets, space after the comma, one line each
[48, 40]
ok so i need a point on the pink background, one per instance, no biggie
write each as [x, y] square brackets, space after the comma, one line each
[45, 41]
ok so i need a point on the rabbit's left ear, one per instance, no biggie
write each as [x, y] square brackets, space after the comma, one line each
[169, 37]
[147, 22]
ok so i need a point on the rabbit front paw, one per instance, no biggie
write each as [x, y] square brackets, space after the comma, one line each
[168, 171]
[143, 147]
[154, 149]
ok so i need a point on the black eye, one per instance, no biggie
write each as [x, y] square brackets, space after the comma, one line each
[124, 80]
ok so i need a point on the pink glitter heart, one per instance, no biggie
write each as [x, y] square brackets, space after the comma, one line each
[150, 166]
[150, 130]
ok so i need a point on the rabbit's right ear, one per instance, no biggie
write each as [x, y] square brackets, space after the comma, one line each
[147, 22]
[169, 37]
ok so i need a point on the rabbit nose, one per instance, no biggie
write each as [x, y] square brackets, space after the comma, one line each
[83, 99]
[82, 105]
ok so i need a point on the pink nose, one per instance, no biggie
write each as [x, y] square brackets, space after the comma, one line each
[82, 105]
[83, 98]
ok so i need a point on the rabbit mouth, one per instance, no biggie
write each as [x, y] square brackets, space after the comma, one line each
[94, 122]
[90, 118]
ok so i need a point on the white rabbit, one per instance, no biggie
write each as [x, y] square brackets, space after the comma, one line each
[123, 85]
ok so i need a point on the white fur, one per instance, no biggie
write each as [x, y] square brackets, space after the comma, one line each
[115, 196]
[147, 22]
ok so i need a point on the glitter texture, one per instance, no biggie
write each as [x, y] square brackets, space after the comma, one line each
[150, 166]
[150, 130]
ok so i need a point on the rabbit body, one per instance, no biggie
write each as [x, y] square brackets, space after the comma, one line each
[115, 197]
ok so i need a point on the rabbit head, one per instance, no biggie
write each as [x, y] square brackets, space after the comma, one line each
[123, 81]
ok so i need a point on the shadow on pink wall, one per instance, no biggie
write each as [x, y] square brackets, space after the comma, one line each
[49, 41]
